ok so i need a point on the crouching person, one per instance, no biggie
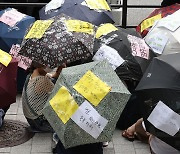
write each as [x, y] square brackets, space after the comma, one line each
[36, 91]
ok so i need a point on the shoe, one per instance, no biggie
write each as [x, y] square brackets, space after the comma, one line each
[55, 138]
[128, 136]
[105, 144]
[1, 116]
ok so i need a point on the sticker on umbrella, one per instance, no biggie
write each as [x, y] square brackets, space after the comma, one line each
[157, 42]
[11, 17]
[5, 58]
[23, 61]
[165, 119]
[54, 4]
[38, 29]
[98, 5]
[139, 47]
[79, 26]
[105, 29]
[92, 88]
[106, 52]
[149, 22]
[89, 119]
[63, 104]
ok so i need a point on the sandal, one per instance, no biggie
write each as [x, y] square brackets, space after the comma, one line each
[126, 135]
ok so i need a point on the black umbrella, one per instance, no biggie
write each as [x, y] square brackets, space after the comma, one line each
[125, 44]
[161, 83]
[75, 9]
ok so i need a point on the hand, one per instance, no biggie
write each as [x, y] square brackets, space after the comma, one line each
[58, 71]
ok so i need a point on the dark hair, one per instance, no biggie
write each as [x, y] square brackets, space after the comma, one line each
[33, 66]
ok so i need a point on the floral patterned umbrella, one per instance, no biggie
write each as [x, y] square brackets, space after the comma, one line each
[58, 40]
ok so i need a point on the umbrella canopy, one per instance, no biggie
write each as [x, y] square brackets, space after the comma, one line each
[159, 88]
[129, 55]
[93, 98]
[78, 10]
[163, 37]
[144, 27]
[8, 83]
[61, 39]
[13, 27]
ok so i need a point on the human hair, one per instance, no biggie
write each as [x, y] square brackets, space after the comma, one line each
[33, 66]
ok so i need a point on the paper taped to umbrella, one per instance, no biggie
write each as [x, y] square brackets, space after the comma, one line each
[159, 89]
[5, 58]
[163, 37]
[13, 27]
[86, 104]
[95, 12]
[58, 40]
[129, 55]
[23, 61]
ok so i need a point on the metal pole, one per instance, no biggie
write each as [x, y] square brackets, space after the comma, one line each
[124, 14]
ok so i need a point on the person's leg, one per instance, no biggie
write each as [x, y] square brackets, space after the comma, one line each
[39, 125]
[140, 131]
[129, 133]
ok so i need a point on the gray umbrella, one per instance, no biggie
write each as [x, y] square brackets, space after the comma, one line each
[109, 108]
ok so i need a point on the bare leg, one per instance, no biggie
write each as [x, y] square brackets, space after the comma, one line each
[140, 132]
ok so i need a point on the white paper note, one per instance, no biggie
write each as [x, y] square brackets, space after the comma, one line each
[176, 34]
[165, 119]
[53, 4]
[89, 119]
[171, 22]
[157, 42]
[106, 52]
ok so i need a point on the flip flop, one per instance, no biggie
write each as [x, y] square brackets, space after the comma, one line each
[129, 137]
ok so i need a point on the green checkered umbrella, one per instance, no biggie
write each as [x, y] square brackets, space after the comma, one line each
[86, 104]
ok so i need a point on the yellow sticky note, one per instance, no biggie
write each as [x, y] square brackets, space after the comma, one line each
[92, 88]
[98, 5]
[149, 22]
[63, 104]
[105, 29]
[80, 26]
[5, 58]
[38, 29]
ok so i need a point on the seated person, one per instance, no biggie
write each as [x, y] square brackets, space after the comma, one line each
[35, 93]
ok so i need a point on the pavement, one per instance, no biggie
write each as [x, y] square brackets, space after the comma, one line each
[42, 143]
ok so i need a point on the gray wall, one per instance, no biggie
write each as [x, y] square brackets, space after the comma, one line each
[135, 16]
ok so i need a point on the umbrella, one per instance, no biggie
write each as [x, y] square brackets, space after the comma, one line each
[8, 83]
[128, 54]
[13, 27]
[61, 39]
[144, 27]
[159, 87]
[77, 10]
[84, 88]
[163, 37]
